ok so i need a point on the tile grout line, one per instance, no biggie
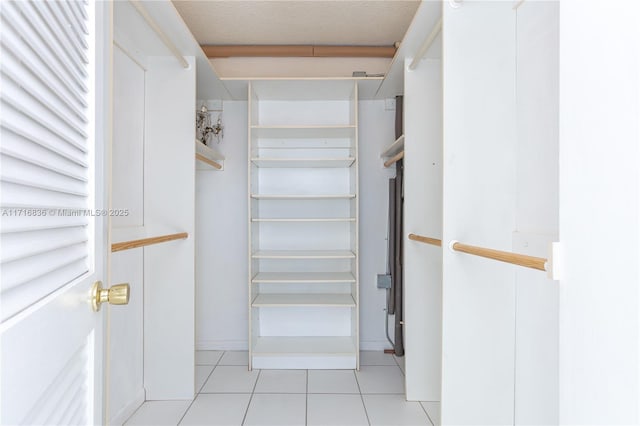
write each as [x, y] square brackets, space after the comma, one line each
[306, 399]
[366, 413]
[427, 413]
[244, 418]
[201, 387]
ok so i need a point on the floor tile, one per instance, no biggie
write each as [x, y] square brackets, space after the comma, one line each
[282, 381]
[158, 413]
[332, 381]
[376, 358]
[208, 357]
[276, 410]
[400, 361]
[202, 374]
[380, 379]
[217, 410]
[235, 358]
[433, 411]
[393, 410]
[334, 410]
[231, 379]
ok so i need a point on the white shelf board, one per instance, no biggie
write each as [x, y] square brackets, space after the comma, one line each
[207, 151]
[303, 162]
[278, 346]
[394, 148]
[301, 196]
[303, 277]
[303, 132]
[274, 300]
[303, 254]
[319, 219]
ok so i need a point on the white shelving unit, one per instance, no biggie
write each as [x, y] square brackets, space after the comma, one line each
[303, 222]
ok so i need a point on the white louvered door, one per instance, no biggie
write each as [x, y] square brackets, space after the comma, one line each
[53, 123]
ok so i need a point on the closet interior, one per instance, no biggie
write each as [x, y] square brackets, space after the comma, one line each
[286, 217]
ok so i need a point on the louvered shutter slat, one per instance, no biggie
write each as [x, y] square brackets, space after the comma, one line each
[38, 42]
[45, 185]
[17, 72]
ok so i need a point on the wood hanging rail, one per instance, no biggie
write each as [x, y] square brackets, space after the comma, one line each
[533, 262]
[399, 156]
[126, 245]
[156, 28]
[426, 240]
[208, 161]
[426, 44]
[298, 51]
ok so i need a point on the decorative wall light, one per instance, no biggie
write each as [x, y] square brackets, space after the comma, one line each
[205, 129]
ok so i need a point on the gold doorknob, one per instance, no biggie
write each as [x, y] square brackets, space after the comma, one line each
[116, 295]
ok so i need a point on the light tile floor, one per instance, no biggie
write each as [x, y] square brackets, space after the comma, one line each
[230, 395]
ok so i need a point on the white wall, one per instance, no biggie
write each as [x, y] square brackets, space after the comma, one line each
[478, 208]
[169, 199]
[221, 241]
[125, 382]
[536, 211]
[221, 233]
[423, 216]
[599, 212]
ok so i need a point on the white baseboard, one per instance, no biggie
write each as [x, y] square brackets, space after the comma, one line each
[222, 345]
[374, 345]
[127, 411]
[241, 345]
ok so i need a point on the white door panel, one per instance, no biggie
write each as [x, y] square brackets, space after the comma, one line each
[55, 129]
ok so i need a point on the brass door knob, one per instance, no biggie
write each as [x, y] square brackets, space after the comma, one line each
[116, 295]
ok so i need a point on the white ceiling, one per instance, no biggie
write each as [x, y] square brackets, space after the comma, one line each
[335, 22]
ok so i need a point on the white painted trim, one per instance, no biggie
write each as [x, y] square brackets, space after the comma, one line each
[222, 345]
[126, 412]
[374, 345]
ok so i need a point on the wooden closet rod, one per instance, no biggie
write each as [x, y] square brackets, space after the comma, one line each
[426, 240]
[126, 245]
[156, 28]
[426, 44]
[538, 263]
[399, 156]
[297, 51]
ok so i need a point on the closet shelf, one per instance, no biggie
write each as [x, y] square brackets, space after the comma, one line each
[208, 158]
[304, 132]
[301, 196]
[394, 148]
[303, 254]
[303, 346]
[275, 300]
[303, 277]
[142, 242]
[303, 162]
[302, 220]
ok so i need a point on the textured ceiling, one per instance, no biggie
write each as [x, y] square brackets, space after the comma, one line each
[337, 22]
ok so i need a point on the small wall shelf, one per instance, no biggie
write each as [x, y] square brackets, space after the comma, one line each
[301, 132]
[303, 254]
[300, 346]
[303, 162]
[208, 158]
[301, 196]
[303, 277]
[394, 148]
[285, 300]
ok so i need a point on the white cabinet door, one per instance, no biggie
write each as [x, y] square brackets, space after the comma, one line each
[53, 226]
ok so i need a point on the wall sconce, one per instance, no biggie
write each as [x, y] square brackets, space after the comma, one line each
[205, 129]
